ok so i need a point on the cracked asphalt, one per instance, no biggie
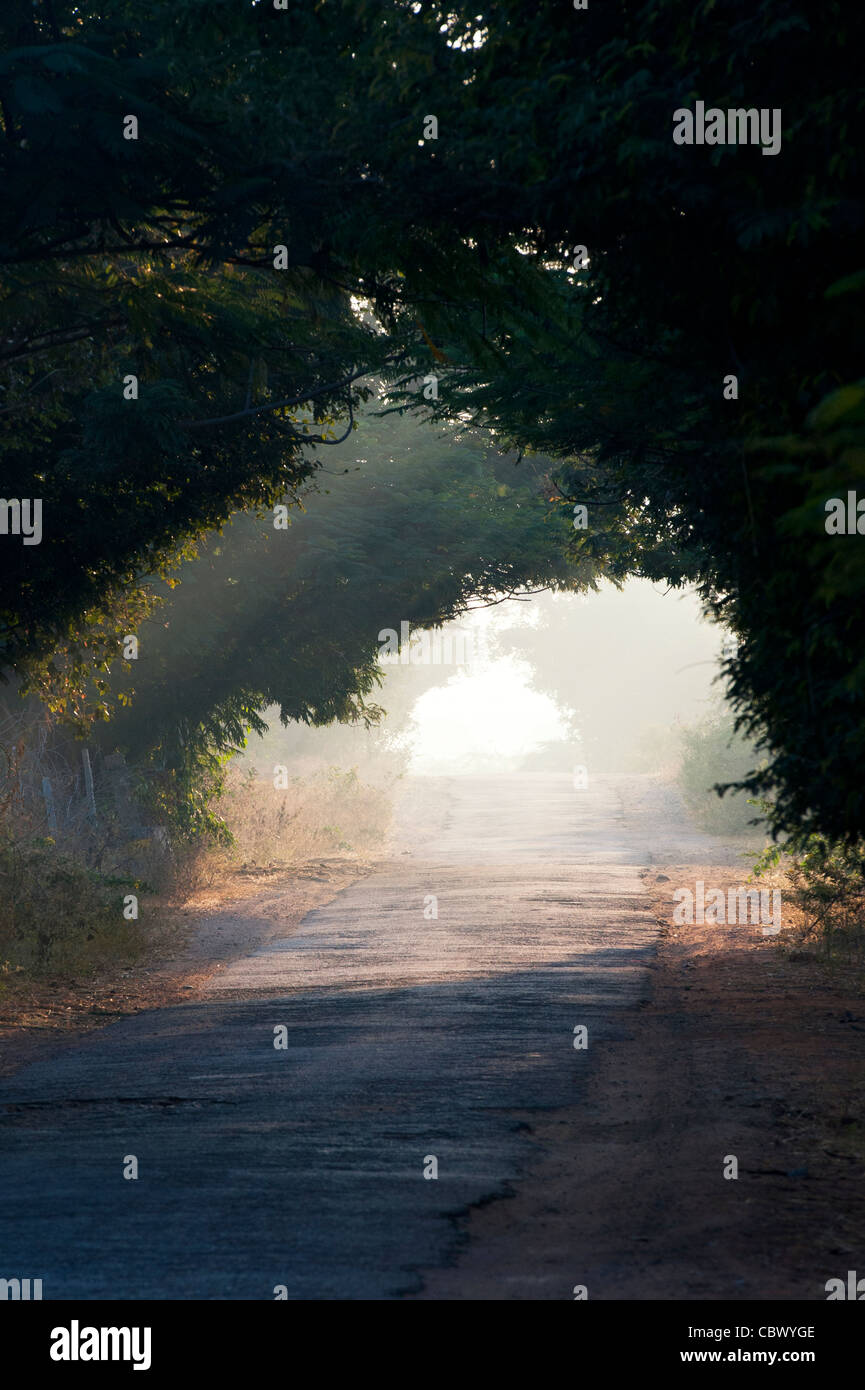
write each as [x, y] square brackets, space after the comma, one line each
[407, 1037]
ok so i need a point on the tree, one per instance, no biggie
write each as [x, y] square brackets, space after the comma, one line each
[408, 254]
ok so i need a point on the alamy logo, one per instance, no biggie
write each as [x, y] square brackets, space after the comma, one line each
[21, 518]
[854, 1290]
[845, 519]
[75, 1343]
[424, 648]
[19, 1289]
[740, 126]
[710, 905]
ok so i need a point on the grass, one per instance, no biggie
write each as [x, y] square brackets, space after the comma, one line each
[826, 887]
[329, 812]
[62, 897]
[59, 916]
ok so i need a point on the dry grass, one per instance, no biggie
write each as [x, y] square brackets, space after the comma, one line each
[73, 848]
[58, 916]
[68, 863]
[330, 812]
[63, 886]
[825, 929]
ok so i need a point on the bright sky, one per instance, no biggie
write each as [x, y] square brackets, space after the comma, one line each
[647, 659]
[483, 721]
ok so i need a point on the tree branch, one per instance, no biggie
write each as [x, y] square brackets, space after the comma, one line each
[309, 395]
[29, 347]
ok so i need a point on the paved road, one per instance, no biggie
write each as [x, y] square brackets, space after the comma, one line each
[407, 1037]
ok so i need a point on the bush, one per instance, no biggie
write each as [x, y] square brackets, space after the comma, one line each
[714, 754]
[828, 887]
[57, 915]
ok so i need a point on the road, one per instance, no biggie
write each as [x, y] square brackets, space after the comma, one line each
[408, 1037]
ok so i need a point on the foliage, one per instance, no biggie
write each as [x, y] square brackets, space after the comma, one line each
[408, 255]
[56, 914]
[714, 755]
[155, 258]
[828, 886]
[703, 263]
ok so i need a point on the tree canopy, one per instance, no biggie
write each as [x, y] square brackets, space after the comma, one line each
[319, 196]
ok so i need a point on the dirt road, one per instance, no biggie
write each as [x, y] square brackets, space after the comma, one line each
[322, 1118]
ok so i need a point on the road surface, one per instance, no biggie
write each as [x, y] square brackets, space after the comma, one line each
[409, 1037]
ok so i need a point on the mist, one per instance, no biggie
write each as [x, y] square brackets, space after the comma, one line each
[605, 679]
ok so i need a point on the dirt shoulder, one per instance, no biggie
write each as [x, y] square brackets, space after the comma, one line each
[742, 1049]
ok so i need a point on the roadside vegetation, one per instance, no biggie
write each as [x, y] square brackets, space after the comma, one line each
[89, 885]
[823, 881]
[713, 754]
[825, 888]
